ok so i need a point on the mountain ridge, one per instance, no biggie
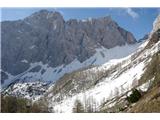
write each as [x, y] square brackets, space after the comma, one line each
[108, 84]
[45, 37]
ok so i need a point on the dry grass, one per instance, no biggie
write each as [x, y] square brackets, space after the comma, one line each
[149, 103]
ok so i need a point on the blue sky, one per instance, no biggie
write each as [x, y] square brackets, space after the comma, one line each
[136, 20]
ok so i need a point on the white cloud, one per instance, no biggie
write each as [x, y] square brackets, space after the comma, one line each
[124, 11]
[132, 13]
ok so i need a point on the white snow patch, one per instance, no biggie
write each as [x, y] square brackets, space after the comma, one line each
[144, 43]
[113, 53]
[31, 47]
[84, 20]
[90, 19]
[49, 15]
[54, 25]
[20, 31]
[23, 89]
[144, 87]
[27, 23]
[24, 61]
[12, 78]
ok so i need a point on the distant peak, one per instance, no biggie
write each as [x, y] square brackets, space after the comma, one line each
[46, 14]
[109, 17]
[44, 11]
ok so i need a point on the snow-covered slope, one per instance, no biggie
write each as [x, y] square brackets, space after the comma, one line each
[124, 78]
[43, 72]
[19, 85]
[29, 90]
[111, 80]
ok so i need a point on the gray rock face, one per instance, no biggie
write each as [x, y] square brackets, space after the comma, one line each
[3, 76]
[45, 36]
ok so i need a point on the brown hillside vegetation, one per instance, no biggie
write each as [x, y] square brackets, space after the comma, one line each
[148, 103]
[10, 104]
[152, 71]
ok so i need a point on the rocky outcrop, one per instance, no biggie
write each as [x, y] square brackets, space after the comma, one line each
[45, 36]
[156, 24]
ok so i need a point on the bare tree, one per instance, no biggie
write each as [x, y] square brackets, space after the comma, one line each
[78, 107]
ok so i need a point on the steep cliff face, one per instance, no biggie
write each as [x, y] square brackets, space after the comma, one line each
[47, 38]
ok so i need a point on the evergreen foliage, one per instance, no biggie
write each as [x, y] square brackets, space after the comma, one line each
[134, 97]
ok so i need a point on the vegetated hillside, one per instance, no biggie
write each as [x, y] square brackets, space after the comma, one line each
[12, 104]
[150, 101]
[147, 99]
[145, 96]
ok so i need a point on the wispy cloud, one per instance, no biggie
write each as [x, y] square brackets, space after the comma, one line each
[124, 11]
[132, 13]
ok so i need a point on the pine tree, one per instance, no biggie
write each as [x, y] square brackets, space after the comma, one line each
[134, 97]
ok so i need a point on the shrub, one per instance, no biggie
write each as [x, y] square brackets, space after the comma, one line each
[134, 97]
[10, 104]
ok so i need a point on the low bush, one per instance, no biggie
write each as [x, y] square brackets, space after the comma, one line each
[11, 104]
[134, 96]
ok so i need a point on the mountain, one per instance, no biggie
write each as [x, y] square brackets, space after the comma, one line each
[43, 46]
[115, 86]
[121, 78]
[120, 81]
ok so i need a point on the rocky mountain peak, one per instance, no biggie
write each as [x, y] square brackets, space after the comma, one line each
[46, 14]
[46, 37]
[44, 18]
[107, 19]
